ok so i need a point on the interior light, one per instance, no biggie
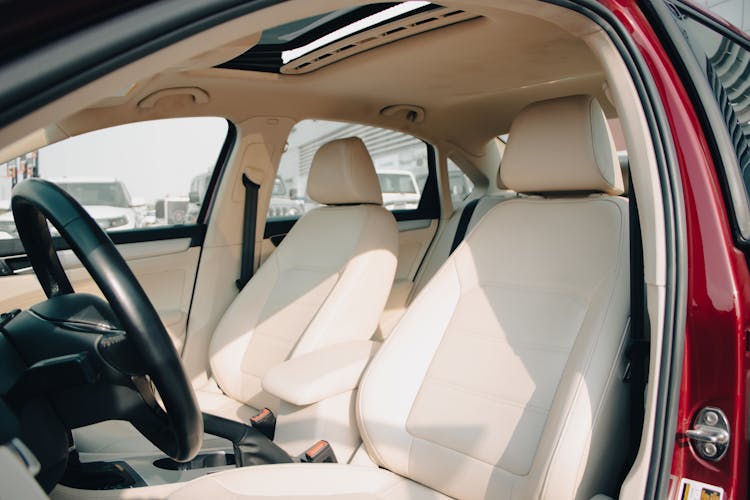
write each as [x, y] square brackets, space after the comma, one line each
[364, 23]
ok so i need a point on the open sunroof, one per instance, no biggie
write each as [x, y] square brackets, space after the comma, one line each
[283, 44]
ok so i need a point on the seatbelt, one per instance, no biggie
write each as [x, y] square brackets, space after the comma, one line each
[463, 222]
[638, 350]
[248, 231]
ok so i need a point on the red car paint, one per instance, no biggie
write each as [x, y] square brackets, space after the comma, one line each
[716, 359]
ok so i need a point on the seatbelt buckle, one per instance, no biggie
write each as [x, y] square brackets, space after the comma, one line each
[319, 453]
[265, 422]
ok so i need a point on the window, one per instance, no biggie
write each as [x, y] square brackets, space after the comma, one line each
[727, 66]
[401, 162]
[132, 176]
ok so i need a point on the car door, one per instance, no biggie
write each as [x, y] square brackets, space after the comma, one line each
[712, 62]
[135, 181]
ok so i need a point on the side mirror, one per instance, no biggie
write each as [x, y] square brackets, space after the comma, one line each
[195, 197]
[137, 202]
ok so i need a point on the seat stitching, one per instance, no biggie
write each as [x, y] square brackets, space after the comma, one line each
[530, 345]
[471, 457]
[494, 398]
[549, 289]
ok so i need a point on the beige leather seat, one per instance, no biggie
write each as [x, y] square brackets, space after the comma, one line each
[326, 283]
[503, 378]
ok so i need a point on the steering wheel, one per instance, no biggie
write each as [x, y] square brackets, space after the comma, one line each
[179, 429]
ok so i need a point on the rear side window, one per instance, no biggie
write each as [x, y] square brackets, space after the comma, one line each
[128, 177]
[401, 162]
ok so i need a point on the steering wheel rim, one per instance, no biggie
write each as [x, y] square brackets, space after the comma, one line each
[36, 201]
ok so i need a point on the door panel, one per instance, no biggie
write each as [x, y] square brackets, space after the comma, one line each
[166, 270]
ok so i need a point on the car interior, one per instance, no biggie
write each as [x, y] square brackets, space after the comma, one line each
[478, 348]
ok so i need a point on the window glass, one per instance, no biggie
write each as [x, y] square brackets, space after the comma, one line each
[460, 185]
[400, 162]
[132, 176]
[727, 66]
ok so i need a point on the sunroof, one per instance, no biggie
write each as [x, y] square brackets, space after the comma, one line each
[283, 44]
[285, 33]
[375, 19]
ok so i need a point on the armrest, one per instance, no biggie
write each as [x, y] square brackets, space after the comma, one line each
[320, 374]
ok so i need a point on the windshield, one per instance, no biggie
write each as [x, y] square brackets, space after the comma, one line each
[109, 194]
[396, 183]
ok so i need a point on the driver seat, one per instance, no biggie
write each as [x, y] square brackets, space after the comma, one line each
[504, 377]
[327, 283]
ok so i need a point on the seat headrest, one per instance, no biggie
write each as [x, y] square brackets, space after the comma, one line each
[342, 173]
[561, 145]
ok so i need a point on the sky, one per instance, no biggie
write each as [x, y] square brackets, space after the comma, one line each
[154, 159]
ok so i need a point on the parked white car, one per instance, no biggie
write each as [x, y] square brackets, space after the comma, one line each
[106, 199]
[281, 205]
[400, 189]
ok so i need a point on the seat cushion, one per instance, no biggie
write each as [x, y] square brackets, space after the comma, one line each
[304, 481]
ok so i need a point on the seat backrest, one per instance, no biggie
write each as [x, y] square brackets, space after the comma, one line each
[502, 380]
[327, 282]
[441, 247]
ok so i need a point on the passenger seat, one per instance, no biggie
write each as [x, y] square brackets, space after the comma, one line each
[326, 283]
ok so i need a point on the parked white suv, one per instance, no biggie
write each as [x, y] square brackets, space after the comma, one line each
[400, 189]
[106, 199]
